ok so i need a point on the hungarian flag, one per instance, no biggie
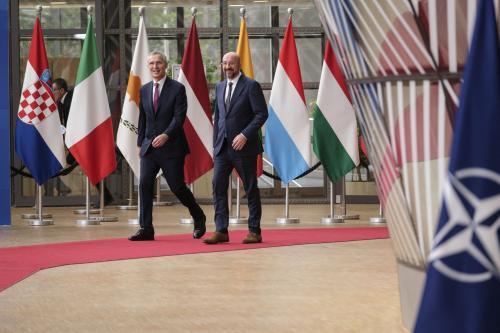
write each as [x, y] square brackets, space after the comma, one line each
[39, 141]
[335, 138]
[243, 51]
[89, 132]
[198, 125]
[287, 139]
[126, 138]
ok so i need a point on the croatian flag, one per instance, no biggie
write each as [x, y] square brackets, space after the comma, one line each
[288, 132]
[462, 291]
[39, 141]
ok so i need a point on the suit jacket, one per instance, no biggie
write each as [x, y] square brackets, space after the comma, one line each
[247, 114]
[169, 119]
[64, 107]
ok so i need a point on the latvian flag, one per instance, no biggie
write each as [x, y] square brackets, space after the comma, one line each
[198, 125]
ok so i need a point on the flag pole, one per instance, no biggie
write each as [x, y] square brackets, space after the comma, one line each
[87, 220]
[87, 208]
[331, 218]
[103, 218]
[34, 216]
[130, 199]
[39, 220]
[238, 219]
[287, 219]
[136, 221]
[188, 220]
[158, 201]
[379, 219]
[343, 206]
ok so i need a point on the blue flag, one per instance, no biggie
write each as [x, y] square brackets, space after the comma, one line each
[462, 291]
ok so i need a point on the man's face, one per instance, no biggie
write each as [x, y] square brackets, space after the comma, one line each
[230, 65]
[157, 67]
[58, 92]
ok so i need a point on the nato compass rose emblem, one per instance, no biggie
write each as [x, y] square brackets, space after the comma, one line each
[466, 246]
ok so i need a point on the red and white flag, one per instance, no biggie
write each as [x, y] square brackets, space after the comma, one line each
[89, 132]
[198, 125]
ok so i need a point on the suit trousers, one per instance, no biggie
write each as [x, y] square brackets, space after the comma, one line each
[173, 171]
[246, 166]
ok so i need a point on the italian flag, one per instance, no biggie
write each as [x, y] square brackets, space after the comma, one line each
[89, 132]
[335, 137]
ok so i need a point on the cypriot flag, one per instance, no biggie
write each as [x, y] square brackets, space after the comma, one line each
[126, 138]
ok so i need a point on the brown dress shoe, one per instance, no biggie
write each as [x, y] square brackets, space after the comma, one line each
[217, 237]
[252, 238]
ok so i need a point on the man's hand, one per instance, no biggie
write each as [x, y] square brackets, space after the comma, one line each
[239, 142]
[159, 140]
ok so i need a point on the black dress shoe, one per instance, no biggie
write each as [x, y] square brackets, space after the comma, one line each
[199, 227]
[143, 235]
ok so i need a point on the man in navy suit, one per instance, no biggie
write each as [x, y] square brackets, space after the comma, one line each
[163, 145]
[240, 111]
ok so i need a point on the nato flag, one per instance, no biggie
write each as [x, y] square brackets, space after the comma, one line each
[462, 291]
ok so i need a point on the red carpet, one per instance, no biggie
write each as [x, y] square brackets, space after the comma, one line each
[17, 263]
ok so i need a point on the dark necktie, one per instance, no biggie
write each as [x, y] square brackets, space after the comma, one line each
[156, 96]
[228, 97]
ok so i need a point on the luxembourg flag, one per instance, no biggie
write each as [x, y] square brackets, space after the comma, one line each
[287, 138]
[198, 125]
[89, 132]
[39, 141]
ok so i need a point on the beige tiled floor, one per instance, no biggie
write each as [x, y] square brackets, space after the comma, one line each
[339, 287]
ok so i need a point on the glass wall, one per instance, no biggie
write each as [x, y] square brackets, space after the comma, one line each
[168, 23]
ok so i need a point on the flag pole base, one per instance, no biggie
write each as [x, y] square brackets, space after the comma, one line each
[127, 207]
[331, 220]
[33, 216]
[86, 222]
[39, 223]
[133, 221]
[346, 217]
[162, 203]
[84, 211]
[187, 220]
[105, 218]
[238, 220]
[377, 220]
[287, 220]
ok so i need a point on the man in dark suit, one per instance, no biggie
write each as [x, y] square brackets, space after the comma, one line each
[163, 145]
[240, 111]
[63, 98]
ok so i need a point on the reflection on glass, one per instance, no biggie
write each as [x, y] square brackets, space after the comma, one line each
[304, 13]
[258, 14]
[71, 14]
[63, 56]
[174, 14]
[310, 58]
[261, 57]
